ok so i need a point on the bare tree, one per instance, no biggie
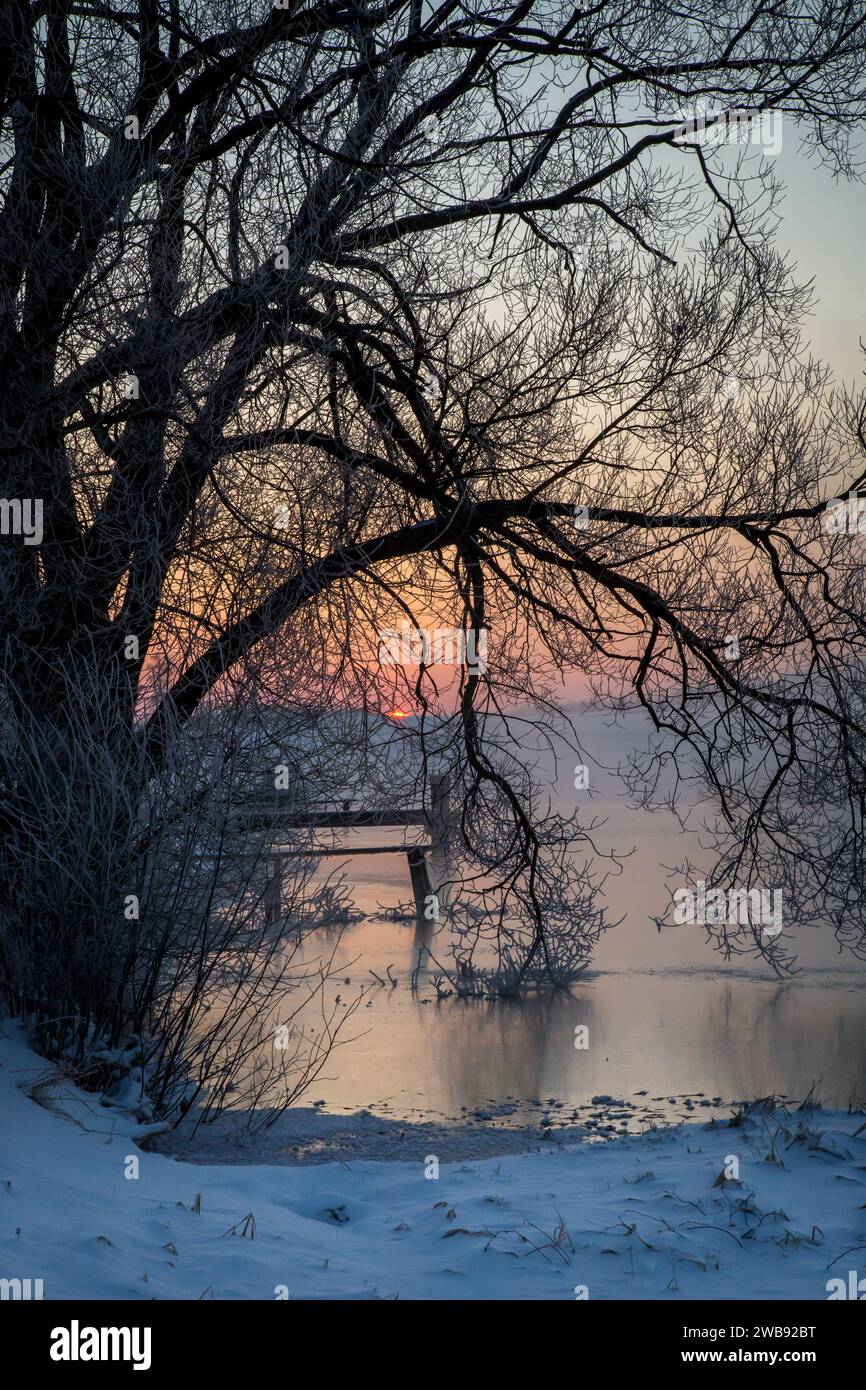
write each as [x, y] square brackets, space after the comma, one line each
[316, 318]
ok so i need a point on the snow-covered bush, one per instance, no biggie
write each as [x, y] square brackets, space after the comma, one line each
[134, 936]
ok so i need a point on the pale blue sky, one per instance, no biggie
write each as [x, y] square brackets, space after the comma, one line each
[824, 227]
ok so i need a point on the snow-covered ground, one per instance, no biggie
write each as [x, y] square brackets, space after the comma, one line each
[640, 1217]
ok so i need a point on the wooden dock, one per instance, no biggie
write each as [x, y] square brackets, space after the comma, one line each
[436, 817]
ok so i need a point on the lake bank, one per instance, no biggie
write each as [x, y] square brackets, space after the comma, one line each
[654, 1216]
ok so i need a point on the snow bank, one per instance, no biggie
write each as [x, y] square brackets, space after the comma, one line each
[93, 1216]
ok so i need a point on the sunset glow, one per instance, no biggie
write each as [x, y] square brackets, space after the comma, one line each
[508, 360]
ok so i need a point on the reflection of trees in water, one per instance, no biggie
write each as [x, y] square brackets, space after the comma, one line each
[489, 1049]
[793, 1036]
[738, 1040]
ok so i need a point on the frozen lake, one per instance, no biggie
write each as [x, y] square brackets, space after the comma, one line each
[666, 1015]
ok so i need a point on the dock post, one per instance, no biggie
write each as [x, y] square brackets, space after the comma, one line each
[439, 815]
[273, 895]
[420, 879]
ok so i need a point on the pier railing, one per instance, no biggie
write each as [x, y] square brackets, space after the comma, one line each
[268, 816]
